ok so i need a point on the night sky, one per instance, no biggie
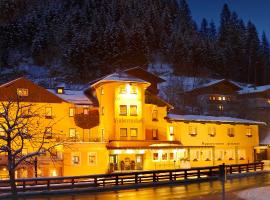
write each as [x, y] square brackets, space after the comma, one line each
[258, 11]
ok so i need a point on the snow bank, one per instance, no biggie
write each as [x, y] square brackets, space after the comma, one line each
[262, 193]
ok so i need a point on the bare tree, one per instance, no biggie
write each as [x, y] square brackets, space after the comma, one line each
[23, 125]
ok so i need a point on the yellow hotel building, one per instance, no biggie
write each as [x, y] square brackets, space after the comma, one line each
[118, 123]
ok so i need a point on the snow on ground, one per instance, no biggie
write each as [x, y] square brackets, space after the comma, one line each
[262, 193]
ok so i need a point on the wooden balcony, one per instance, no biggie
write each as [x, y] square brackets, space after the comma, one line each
[87, 121]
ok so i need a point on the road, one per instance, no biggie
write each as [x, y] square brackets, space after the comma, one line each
[205, 191]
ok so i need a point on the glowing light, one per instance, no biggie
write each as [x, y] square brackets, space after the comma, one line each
[141, 151]
[53, 172]
[4, 169]
[117, 151]
[130, 151]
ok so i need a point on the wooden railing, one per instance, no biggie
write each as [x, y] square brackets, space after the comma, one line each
[128, 178]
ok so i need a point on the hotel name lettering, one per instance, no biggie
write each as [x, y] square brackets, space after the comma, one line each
[131, 121]
[220, 143]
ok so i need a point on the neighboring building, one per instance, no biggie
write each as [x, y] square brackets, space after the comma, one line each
[218, 98]
[118, 123]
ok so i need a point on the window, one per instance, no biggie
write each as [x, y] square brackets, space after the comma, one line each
[164, 156]
[219, 155]
[60, 90]
[133, 90]
[155, 134]
[229, 154]
[71, 112]
[75, 159]
[155, 156]
[155, 115]
[102, 134]
[207, 155]
[123, 110]
[212, 131]
[171, 130]
[133, 132]
[123, 90]
[123, 132]
[224, 98]
[85, 111]
[249, 132]
[133, 110]
[48, 132]
[48, 112]
[192, 131]
[219, 98]
[22, 92]
[171, 156]
[195, 155]
[72, 132]
[92, 158]
[220, 107]
[242, 154]
[230, 132]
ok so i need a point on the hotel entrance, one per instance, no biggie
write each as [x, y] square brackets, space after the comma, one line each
[126, 160]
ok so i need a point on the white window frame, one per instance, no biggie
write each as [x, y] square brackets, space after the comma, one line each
[77, 154]
[88, 158]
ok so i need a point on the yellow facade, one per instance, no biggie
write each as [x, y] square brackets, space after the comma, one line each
[135, 135]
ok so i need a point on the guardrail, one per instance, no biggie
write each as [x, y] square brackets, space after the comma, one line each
[128, 178]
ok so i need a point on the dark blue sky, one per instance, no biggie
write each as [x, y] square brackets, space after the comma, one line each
[258, 11]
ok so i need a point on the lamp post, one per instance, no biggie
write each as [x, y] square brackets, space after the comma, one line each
[35, 166]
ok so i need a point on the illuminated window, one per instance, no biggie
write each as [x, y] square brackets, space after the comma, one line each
[192, 130]
[92, 158]
[48, 132]
[220, 107]
[48, 112]
[123, 132]
[85, 111]
[219, 98]
[207, 155]
[155, 115]
[230, 132]
[75, 159]
[133, 90]
[60, 90]
[214, 98]
[229, 154]
[71, 112]
[224, 98]
[249, 132]
[195, 155]
[133, 110]
[164, 156]
[171, 156]
[211, 131]
[171, 129]
[72, 132]
[242, 154]
[123, 110]
[155, 134]
[133, 132]
[22, 92]
[155, 157]
[219, 154]
[123, 90]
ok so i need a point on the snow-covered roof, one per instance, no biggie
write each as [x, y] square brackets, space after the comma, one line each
[206, 118]
[118, 76]
[248, 90]
[215, 82]
[73, 96]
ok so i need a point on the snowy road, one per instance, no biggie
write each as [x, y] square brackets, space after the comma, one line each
[203, 191]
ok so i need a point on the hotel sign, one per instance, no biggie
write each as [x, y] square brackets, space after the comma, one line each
[220, 143]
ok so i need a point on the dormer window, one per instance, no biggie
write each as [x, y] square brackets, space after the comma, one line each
[22, 92]
[60, 90]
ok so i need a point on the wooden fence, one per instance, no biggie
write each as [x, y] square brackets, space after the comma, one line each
[128, 178]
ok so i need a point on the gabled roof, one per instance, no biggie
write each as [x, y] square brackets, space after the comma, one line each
[118, 76]
[144, 74]
[156, 100]
[257, 89]
[36, 93]
[73, 96]
[215, 83]
[206, 118]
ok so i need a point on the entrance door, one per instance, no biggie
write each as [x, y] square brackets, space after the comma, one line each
[113, 163]
[139, 162]
[260, 154]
